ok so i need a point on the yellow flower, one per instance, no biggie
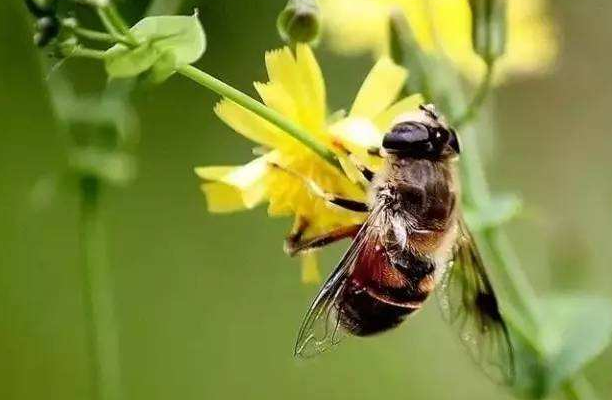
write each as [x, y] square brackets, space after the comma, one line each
[355, 26]
[285, 175]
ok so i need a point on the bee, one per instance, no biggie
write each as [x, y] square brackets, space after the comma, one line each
[414, 241]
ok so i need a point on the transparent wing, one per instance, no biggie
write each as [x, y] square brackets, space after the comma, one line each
[321, 328]
[469, 304]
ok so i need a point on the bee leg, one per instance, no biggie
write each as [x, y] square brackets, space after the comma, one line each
[375, 151]
[347, 204]
[367, 173]
[294, 244]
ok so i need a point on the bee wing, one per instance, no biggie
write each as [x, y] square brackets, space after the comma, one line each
[468, 303]
[321, 328]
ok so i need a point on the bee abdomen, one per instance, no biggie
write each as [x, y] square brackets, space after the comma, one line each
[362, 314]
[383, 301]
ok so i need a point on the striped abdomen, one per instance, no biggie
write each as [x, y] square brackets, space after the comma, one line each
[380, 293]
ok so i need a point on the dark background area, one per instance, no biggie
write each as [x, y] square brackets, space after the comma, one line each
[208, 305]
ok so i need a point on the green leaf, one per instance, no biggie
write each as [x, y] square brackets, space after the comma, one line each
[170, 41]
[163, 68]
[122, 62]
[573, 330]
[180, 35]
[500, 210]
[578, 329]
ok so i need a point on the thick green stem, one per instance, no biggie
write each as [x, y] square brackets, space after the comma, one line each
[86, 53]
[498, 249]
[99, 36]
[496, 246]
[288, 126]
[98, 296]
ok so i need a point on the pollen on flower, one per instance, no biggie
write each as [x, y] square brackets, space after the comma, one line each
[285, 175]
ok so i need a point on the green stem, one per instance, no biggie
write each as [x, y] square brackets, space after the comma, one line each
[99, 36]
[98, 296]
[270, 115]
[479, 97]
[86, 53]
[115, 25]
[117, 20]
[106, 21]
[497, 247]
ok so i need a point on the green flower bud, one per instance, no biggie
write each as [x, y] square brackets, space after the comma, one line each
[299, 21]
[47, 29]
[41, 8]
[97, 3]
[70, 23]
[488, 28]
[67, 47]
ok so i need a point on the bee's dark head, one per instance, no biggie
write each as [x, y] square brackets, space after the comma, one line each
[422, 136]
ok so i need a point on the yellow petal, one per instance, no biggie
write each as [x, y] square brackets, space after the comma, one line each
[314, 84]
[310, 268]
[380, 89]
[358, 135]
[302, 82]
[251, 125]
[350, 169]
[386, 119]
[248, 180]
[275, 97]
[222, 198]
[282, 70]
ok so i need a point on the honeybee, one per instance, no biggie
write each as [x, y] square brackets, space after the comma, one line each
[413, 241]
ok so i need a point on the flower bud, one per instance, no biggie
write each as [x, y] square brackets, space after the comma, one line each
[97, 3]
[299, 21]
[66, 47]
[488, 28]
[47, 29]
[41, 8]
[70, 23]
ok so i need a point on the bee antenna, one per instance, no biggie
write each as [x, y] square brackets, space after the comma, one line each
[430, 110]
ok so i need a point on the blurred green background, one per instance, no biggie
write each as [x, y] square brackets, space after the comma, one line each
[208, 305]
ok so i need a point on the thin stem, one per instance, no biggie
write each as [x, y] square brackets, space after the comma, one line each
[114, 24]
[98, 296]
[260, 109]
[106, 21]
[87, 53]
[479, 97]
[98, 36]
[117, 20]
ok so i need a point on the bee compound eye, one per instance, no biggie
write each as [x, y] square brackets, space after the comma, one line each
[404, 135]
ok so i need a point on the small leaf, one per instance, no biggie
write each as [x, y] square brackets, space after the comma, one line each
[166, 43]
[182, 36]
[162, 69]
[122, 62]
[500, 210]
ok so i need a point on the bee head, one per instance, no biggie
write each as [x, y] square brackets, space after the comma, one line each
[422, 135]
